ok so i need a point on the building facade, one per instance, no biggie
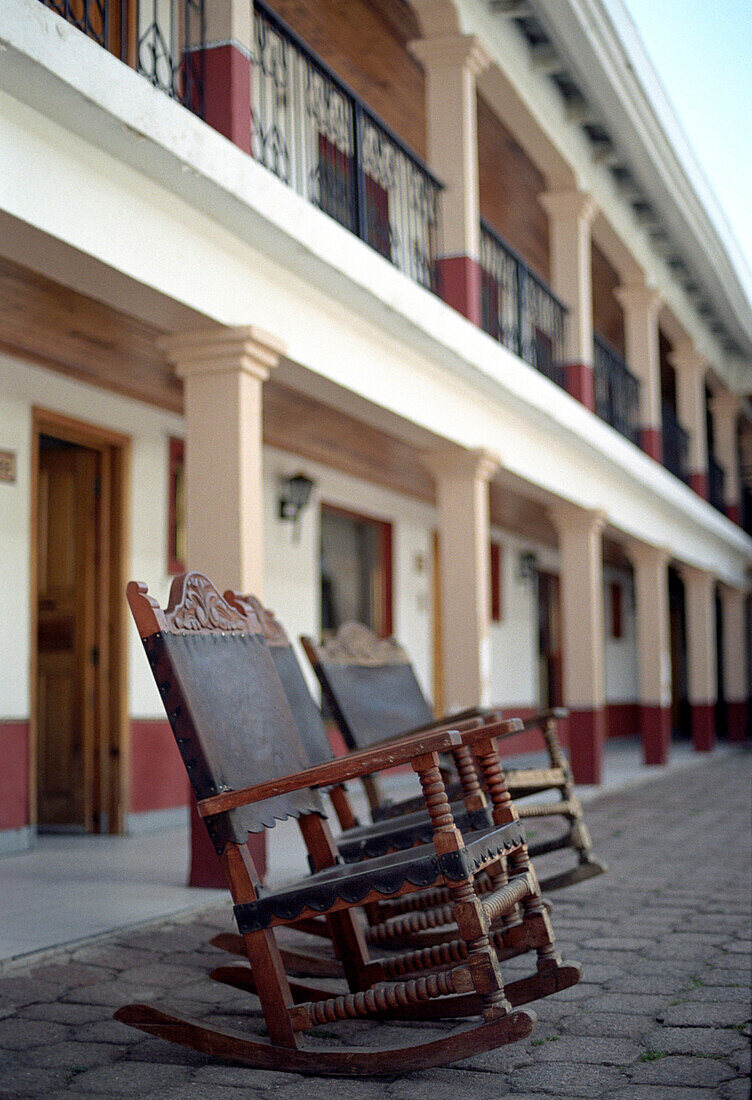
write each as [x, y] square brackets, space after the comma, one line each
[447, 259]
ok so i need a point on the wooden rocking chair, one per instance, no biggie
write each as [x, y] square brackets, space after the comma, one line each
[371, 689]
[232, 725]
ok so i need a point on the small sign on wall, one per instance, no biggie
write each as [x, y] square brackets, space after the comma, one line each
[7, 465]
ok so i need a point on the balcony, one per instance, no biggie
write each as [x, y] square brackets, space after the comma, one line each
[161, 41]
[617, 391]
[518, 309]
[746, 509]
[675, 445]
[314, 133]
[716, 485]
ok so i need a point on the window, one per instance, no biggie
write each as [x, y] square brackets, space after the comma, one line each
[616, 598]
[356, 571]
[176, 508]
[496, 582]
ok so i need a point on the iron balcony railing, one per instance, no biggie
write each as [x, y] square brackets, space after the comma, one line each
[716, 484]
[319, 137]
[746, 509]
[617, 391]
[163, 40]
[518, 309]
[675, 444]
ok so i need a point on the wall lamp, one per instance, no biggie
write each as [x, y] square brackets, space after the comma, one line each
[527, 567]
[294, 494]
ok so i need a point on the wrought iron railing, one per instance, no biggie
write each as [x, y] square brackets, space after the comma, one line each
[716, 484]
[163, 40]
[518, 309]
[313, 132]
[746, 509]
[675, 444]
[617, 391]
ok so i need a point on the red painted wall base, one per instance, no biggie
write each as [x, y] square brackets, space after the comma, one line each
[579, 379]
[459, 285]
[737, 721]
[703, 726]
[14, 775]
[651, 442]
[698, 480]
[734, 513]
[587, 732]
[622, 719]
[205, 869]
[158, 779]
[655, 733]
[227, 93]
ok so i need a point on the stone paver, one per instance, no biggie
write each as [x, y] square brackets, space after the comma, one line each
[662, 1013]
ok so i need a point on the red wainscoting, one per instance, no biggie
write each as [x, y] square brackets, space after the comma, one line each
[158, 779]
[622, 719]
[14, 775]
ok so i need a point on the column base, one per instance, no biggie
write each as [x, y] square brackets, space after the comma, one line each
[205, 869]
[655, 733]
[698, 480]
[737, 718]
[587, 733]
[651, 442]
[227, 92]
[703, 726]
[459, 286]
[580, 384]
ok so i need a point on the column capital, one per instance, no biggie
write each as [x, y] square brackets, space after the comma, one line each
[452, 51]
[566, 516]
[731, 593]
[473, 464]
[569, 204]
[635, 296]
[685, 358]
[645, 553]
[725, 403]
[695, 576]
[245, 348]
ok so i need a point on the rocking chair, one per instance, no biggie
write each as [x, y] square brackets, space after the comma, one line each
[371, 689]
[232, 725]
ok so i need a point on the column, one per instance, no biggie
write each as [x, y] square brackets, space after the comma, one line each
[223, 372]
[462, 479]
[451, 65]
[225, 64]
[724, 408]
[736, 661]
[581, 563]
[641, 305]
[570, 215]
[699, 594]
[650, 564]
[691, 410]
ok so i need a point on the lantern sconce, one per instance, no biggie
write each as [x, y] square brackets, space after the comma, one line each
[294, 494]
[527, 567]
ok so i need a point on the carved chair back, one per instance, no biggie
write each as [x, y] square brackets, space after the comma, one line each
[305, 712]
[224, 701]
[369, 684]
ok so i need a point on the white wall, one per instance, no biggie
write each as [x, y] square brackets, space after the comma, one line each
[514, 640]
[22, 387]
[621, 653]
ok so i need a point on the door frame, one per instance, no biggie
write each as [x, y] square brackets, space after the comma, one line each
[112, 734]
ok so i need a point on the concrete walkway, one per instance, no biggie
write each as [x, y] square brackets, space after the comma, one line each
[662, 1012]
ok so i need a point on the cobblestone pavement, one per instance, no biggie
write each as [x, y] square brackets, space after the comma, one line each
[662, 1012]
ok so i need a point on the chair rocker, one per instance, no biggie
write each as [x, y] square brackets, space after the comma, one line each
[232, 724]
[404, 921]
[371, 689]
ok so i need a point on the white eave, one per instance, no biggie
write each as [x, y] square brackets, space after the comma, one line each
[606, 58]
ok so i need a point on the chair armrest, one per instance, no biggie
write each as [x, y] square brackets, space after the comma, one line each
[535, 720]
[352, 766]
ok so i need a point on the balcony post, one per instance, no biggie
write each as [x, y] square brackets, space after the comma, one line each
[736, 660]
[640, 305]
[583, 642]
[650, 564]
[462, 479]
[223, 371]
[226, 64]
[724, 408]
[451, 66]
[699, 590]
[691, 410]
[570, 215]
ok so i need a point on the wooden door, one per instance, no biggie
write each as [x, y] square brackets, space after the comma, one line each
[550, 661]
[67, 654]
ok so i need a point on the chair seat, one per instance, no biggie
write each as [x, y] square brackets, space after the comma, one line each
[384, 875]
[378, 838]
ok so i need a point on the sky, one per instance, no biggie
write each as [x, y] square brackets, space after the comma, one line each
[702, 52]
